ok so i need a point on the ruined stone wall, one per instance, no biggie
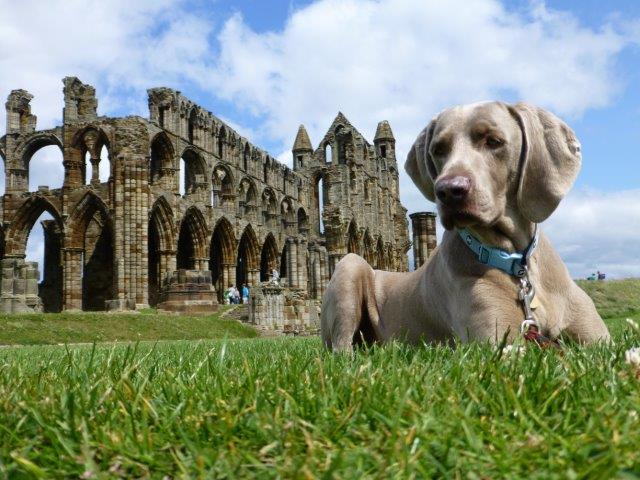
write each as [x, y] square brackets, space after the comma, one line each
[237, 214]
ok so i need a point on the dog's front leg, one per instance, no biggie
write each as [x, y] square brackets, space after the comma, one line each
[349, 309]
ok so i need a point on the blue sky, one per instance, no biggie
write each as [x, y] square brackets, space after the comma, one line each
[267, 66]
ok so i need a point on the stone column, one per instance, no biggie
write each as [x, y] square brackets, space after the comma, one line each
[424, 236]
[302, 249]
[253, 277]
[72, 278]
[95, 171]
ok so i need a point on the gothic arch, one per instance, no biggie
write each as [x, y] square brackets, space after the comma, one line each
[91, 140]
[161, 246]
[303, 221]
[192, 240]
[222, 139]
[90, 230]
[222, 178]
[222, 256]
[194, 170]
[269, 257]
[269, 207]
[23, 220]
[248, 195]
[35, 142]
[162, 157]
[288, 215]
[248, 263]
[192, 127]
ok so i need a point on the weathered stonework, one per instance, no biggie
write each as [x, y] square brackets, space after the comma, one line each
[423, 225]
[238, 214]
[275, 308]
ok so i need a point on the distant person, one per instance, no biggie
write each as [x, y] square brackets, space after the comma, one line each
[591, 277]
[245, 293]
[227, 295]
[235, 295]
[275, 276]
[601, 275]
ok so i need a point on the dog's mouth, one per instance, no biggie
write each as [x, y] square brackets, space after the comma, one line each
[459, 217]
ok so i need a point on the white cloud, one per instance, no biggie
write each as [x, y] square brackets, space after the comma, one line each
[594, 230]
[120, 47]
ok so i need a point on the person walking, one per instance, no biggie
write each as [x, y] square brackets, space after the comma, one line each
[245, 293]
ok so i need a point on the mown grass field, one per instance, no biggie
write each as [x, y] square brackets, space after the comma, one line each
[285, 408]
[84, 327]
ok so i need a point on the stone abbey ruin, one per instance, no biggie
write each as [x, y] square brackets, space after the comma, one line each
[141, 239]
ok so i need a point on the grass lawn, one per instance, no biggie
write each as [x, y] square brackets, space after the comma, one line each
[285, 408]
[54, 328]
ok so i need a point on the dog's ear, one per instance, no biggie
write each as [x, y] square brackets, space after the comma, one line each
[549, 163]
[419, 165]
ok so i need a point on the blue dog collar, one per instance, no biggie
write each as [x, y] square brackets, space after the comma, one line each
[512, 263]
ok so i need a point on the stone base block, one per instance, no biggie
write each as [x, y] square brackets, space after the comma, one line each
[188, 291]
[120, 305]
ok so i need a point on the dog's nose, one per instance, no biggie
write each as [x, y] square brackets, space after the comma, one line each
[453, 189]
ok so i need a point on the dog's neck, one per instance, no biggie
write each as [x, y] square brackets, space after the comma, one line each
[512, 233]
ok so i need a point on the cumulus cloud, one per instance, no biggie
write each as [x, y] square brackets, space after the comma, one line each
[595, 230]
[121, 47]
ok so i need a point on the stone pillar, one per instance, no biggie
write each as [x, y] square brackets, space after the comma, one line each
[72, 277]
[424, 236]
[131, 208]
[253, 277]
[302, 263]
[95, 170]
[292, 262]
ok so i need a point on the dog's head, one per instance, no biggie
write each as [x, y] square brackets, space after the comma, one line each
[483, 161]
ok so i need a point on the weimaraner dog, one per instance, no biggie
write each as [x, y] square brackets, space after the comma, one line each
[495, 171]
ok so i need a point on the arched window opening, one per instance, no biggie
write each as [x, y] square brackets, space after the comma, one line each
[303, 221]
[319, 194]
[44, 246]
[222, 186]
[221, 140]
[88, 168]
[162, 157]
[328, 153]
[248, 266]
[183, 184]
[265, 172]
[191, 173]
[245, 158]
[221, 257]
[105, 165]
[45, 168]
[192, 126]
[383, 151]
[269, 259]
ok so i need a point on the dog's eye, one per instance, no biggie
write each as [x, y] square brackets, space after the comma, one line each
[439, 149]
[493, 142]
